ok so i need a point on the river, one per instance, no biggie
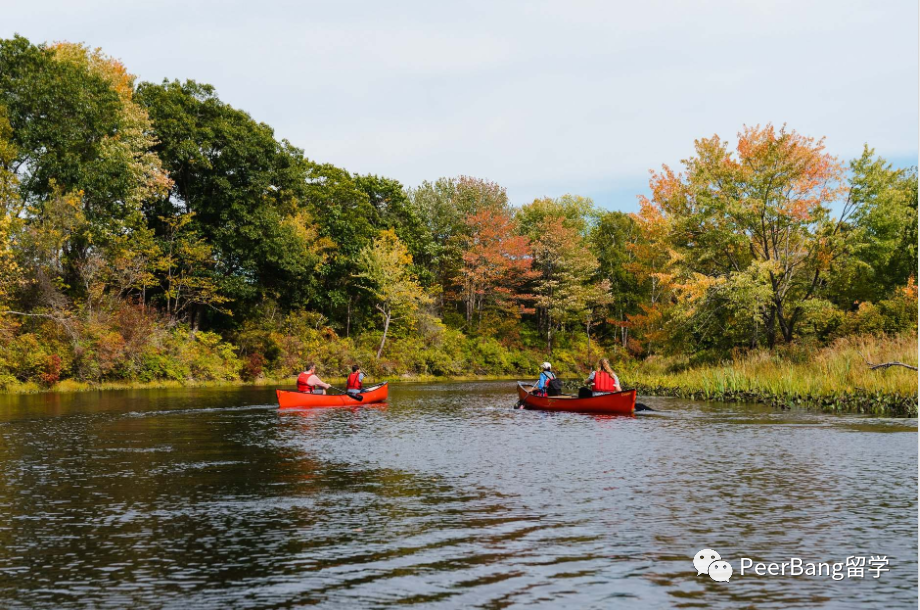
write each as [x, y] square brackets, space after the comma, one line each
[445, 497]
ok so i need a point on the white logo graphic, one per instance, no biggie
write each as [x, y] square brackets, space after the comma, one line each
[710, 562]
[702, 560]
[720, 571]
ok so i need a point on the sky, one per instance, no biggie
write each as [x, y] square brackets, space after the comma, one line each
[544, 98]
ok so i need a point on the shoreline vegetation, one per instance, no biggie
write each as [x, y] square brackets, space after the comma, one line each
[831, 379]
[836, 378]
[151, 234]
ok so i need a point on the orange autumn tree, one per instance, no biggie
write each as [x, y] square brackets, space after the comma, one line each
[748, 238]
[496, 263]
[649, 258]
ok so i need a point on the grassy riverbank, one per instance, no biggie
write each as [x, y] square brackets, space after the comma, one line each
[832, 378]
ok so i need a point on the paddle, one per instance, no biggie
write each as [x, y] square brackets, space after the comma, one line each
[357, 397]
[641, 406]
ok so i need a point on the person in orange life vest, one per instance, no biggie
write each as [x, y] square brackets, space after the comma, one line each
[602, 379]
[308, 382]
[353, 383]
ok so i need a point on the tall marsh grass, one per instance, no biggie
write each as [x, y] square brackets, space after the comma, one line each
[835, 377]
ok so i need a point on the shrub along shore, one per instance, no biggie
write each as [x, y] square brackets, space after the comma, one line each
[835, 378]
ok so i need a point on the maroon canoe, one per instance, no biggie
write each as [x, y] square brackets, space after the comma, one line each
[615, 403]
[303, 400]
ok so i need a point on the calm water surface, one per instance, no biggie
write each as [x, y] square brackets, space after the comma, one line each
[444, 498]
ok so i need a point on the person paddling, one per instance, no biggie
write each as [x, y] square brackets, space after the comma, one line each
[354, 382]
[308, 382]
[602, 379]
[543, 384]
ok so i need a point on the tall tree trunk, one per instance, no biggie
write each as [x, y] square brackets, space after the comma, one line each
[785, 325]
[386, 327]
[348, 318]
[787, 328]
[479, 311]
[770, 324]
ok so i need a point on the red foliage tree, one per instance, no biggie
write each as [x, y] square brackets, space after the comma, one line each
[496, 264]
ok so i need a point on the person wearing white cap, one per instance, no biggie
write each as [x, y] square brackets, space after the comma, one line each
[546, 374]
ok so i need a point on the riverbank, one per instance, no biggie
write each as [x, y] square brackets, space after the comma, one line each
[835, 378]
[71, 386]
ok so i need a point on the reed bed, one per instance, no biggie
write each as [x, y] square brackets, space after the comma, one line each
[835, 378]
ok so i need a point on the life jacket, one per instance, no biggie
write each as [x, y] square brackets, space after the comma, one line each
[354, 381]
[302, 385]
[603, 382]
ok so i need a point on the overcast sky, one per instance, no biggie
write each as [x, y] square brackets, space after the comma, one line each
[545, 98]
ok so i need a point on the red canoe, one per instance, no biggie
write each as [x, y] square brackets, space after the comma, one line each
[288, 399]
[615, 403]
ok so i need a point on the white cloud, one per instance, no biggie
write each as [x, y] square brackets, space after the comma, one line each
[544, 97]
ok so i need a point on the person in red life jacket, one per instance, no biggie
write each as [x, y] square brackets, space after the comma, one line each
[602, 379]
[308, 382]
[354, 382]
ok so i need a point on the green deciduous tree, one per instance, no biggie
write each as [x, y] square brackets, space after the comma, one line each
[77, 136]
[246, 189]
[185, 266]
[12, 274]
[614, 240]
[395, 211]
[385, 272]
[77, 127]
[347, 219]
[577, 213]
[884, 244]
[567, 267]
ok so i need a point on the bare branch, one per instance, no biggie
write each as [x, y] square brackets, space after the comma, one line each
[885, 365]
[62, 321]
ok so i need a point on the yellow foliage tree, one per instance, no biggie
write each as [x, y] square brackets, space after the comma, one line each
[386, 274]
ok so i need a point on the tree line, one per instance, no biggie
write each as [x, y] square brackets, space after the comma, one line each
[151, 230]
